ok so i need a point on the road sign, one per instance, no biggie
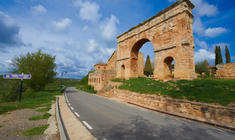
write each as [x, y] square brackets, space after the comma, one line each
[17, 76]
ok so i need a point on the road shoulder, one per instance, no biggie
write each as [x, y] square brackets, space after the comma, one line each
[73, 126]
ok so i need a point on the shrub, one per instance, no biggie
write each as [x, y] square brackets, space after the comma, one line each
[40, 65]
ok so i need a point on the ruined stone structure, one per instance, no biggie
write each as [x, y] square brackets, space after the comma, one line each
[107, 71]
[170, 32]
[226, 71]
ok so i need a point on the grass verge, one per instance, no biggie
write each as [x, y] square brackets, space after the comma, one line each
[218, 91]
[43, 109]
[35, 131]
[87, 88]
[83, 85]
[35, 100]
[40, 117]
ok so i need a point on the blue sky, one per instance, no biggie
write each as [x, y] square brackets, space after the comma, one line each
[81, 33]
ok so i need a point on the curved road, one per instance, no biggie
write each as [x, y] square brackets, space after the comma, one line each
[111, 120]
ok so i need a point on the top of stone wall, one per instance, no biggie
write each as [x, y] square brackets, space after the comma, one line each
[221, 66]
[190, 4]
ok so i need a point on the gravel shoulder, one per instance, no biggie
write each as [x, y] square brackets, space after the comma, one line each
[15, 122]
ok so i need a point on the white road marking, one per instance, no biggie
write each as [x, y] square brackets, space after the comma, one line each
[77, 114]
[69, 104]
[87, 125]
[72, 108]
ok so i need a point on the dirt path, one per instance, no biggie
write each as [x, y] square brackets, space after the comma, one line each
[13, 123]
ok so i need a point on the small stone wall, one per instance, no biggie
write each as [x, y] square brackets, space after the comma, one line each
[218, 115]
[226, 71]
[99, 78]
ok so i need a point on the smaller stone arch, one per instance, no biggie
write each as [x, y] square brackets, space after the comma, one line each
[167, 68]
[123, 71]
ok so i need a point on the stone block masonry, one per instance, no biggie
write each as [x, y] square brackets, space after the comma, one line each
[213, 114]
[226, 71]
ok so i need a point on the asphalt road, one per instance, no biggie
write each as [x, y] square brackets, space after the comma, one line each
[111, 120]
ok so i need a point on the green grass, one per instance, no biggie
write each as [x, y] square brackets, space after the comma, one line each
[33, 101]
[35, 131]
[87, 88]
[43, 109]
[40, 117]
[218, 91]
[83, 85]
[1, 126]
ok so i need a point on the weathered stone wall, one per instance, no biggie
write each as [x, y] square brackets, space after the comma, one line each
[170, 32]
[101, 66]
[112, 62]
[226, 71]
[99, 78]
[214, 114]
[140, 64]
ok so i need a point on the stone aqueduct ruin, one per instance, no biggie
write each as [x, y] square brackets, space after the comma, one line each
[170, 32]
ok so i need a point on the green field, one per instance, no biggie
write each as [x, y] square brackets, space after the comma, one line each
[217, 91]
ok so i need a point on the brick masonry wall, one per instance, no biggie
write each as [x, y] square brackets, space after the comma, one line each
[226, 71]
[219, 115]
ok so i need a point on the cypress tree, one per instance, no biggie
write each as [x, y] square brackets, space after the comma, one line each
[218, 56]
[148, 68]
[220, 59]
[227, 54]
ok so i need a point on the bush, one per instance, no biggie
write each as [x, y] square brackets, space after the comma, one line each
[202, 67]
[40, 65]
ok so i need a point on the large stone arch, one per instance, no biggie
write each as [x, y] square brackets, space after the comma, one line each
[170, 32]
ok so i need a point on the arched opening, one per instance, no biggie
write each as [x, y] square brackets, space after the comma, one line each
[169, 66]
[139, 53]
[123, 71]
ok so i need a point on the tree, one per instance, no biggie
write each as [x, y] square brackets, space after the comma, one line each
[148, 68]
[218, 56]
[227, 54]
[40, 65]
[202, 67]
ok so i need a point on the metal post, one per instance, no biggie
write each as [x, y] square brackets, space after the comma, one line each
[21, 89]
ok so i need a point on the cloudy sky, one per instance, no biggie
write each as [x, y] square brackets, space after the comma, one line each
[81, 33]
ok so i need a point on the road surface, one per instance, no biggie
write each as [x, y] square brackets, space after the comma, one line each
[111, 120]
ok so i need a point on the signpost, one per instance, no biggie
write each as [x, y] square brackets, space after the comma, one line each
[18, 76]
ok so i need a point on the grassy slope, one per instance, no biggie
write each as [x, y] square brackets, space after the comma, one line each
[220, 91]
[83, 85]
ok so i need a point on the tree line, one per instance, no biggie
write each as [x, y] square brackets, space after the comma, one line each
[203, 67]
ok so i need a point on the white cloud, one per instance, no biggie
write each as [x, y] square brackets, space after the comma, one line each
[202, 8]
[85, 28]
[88, 10]
[198, 27]
[108, 28]
[91, 45]
[38, 10]
[212, 32]
[61, 25]
[202, 44]
[203, 54]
